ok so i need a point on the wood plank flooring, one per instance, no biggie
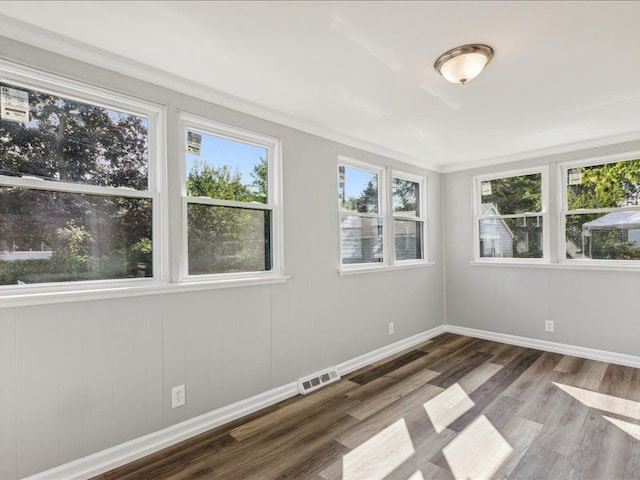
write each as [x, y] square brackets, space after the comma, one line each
[452, 407]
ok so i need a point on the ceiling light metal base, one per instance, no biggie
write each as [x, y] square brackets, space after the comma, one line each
[465, 50]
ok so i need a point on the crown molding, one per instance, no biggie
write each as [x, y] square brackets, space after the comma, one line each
[545, 152]
[38, 37]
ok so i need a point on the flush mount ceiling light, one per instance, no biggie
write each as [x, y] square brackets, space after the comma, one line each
[461, 64]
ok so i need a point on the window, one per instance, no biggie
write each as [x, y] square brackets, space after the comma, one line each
[510, 216]
[78, 189]
[361, 214]
[408, 216]
[231, 197]
[369, 235]
[602, 211]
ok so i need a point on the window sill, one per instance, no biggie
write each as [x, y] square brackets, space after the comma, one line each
[23, 296]
[569, 265]
[383, 268]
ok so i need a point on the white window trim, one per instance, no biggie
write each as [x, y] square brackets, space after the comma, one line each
[563, 211]
[34, 79]
[422, 182]
[382, 214]
[544, 213]
[386, 174]
[274, 188]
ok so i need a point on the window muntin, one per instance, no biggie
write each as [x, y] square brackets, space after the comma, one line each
[510, 216]
[407, 200]
[230, 201]
[361, 217]
[77, 195]
[602, 211]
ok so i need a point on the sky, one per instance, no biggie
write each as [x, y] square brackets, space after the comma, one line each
[217, 151]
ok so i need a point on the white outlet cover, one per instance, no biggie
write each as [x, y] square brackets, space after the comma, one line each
[178, 396]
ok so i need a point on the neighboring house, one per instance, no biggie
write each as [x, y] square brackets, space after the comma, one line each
[361, 240]
[496, 238]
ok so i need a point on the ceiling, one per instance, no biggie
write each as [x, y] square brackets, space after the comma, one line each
[565, 74]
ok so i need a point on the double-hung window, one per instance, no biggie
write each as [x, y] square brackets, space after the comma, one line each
[382, 214]
[510, 214]
[231, 201]
[601, 211]
[409, 216]
[362, 213]
[79, 186]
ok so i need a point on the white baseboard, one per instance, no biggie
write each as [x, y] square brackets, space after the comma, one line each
[116, 456]
[375, 355]
[113, 457]
[555, 347]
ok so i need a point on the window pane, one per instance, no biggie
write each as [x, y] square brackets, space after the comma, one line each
[511, 237]
[406, 198]
[408, 239]
[361, 239]
[604, 186]
[228, 239]
[74, 142]
[609, 236]
[357, 190]
[56, 237]
[511, 195]
[225, 169]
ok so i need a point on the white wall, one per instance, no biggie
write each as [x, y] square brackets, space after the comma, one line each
[82, 376]
[591, 308]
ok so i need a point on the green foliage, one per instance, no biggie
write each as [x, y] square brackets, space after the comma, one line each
[259, 183]
[22, 271]
[516, 194]
[367, 202]
[71, 253]
[70, 141]
[606, 186]
[404, 196]
[141, 257]
[227, 239]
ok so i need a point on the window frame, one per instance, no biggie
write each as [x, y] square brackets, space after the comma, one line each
[386, 174]
[563, 212]
[544, 213]
[382, 212]
[155, 114]
[273, 145]
[422, 182]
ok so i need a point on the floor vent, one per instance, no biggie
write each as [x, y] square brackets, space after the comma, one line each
[317, 380]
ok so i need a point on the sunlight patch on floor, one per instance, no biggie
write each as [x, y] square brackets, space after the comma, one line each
[601, 401]
[446, 407]
[416, 476]
[380, 455]
[477, 452]
[630, 428]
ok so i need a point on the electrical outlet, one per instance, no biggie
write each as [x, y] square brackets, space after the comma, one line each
[391, 328]
[548, 326]
[178, 396]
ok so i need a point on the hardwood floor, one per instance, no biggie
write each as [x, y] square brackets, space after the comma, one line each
[452, 407]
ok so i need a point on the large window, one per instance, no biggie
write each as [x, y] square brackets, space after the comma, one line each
[78, 190]
[510, 216]
[380, 224]
[231, 197]
[602, 211]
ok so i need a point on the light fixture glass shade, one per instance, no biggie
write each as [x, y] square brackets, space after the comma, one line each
[465, 63]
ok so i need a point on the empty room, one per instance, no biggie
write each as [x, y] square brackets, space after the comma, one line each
[319, 240]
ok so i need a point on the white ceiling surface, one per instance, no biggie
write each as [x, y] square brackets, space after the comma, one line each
[563, 72]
